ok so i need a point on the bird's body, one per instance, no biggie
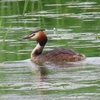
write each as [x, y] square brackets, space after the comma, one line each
[58, 55]
[61, 54]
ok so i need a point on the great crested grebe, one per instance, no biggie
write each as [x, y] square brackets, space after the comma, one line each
[53, 55]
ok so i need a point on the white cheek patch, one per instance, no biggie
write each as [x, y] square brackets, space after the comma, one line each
[34, 36]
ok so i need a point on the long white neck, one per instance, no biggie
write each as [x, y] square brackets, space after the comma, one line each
[37, 50]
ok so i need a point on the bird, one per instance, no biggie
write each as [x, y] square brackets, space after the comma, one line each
[56, 55]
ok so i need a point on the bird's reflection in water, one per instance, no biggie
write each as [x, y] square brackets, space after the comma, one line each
[41, 72]
[40, 82]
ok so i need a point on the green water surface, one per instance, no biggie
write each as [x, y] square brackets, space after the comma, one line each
[73, 24]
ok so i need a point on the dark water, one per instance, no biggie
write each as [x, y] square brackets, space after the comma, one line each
[68, 24]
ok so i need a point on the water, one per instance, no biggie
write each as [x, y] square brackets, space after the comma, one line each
[68, 24]
[24, 80]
